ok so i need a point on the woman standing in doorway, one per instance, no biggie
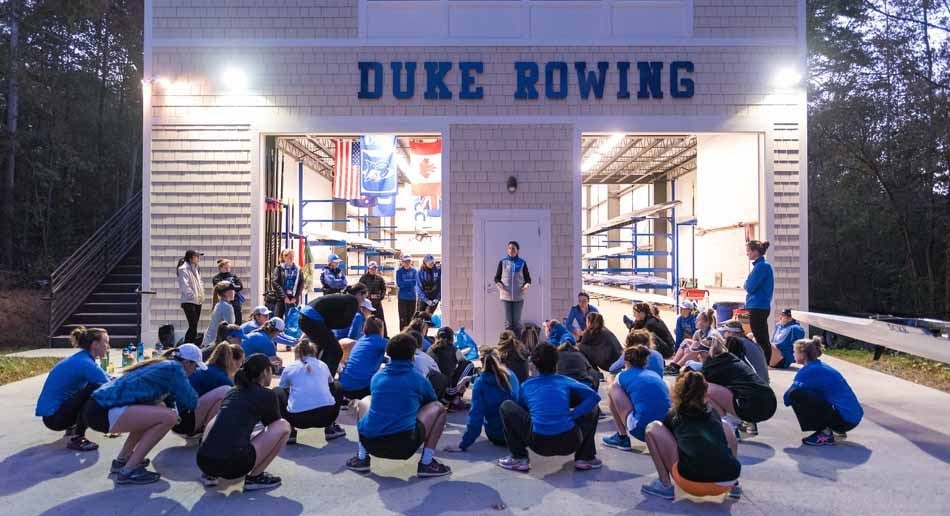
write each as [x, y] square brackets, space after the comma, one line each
[286, 282]
[513, 279]
[191, 290]
[758, 299]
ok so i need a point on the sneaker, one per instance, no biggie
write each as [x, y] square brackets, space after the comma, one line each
[840, 435]
[139, 475]
[736, 491]
[357, 464]
[263, 481]
[656, 488]
[292, 438]
[671, 369]
[620, 442]
[334, 431]
[820, 438]
[208, 480]
[433, 469]
[118, 464]
[751, 429]
[80, 443]
[587, 465]
[514, 464]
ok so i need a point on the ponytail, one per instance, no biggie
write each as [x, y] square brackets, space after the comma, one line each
[492, 364]
[812, 348]
[83, 337]
[758, 246]
[354, 289]
[252, 369]
[305, 349]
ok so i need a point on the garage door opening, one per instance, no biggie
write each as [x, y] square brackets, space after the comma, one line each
[666, 216]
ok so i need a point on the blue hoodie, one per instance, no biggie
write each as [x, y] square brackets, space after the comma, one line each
[399, 391]
[406, 281]
[828, 384]
[784, 339]
[429, 284]
[487, 397]
[558, 334]
[685, 327]
[368, 354]
[163, 381]
[355, 331]
[208, 380]
[759, 285]
[575, 316]
[68, 377]
[654, 363]
[650, 397]
[547, 397]
[258, 342]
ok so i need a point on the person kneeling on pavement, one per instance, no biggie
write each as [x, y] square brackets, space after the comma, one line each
[544, 421]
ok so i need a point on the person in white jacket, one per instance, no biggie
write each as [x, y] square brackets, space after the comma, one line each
[191, 290]
[223, 311]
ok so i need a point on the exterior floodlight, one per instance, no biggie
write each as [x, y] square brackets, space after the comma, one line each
[512, 184]
[235, 79]
[163, 82]
[787, 77]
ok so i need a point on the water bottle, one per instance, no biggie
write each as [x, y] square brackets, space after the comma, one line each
[104, 362]
[128, 355]
[158, 350]
[140, 351]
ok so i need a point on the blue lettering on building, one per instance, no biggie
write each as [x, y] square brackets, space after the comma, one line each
[559, 82]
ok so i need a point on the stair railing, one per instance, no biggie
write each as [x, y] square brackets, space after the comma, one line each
[85, 269]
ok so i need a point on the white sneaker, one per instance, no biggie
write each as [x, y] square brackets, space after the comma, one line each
[208, 481]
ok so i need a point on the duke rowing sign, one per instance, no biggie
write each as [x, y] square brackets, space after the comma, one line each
[556, 80]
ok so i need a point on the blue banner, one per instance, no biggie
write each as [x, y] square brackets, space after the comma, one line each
[378, 176]
[385, 206]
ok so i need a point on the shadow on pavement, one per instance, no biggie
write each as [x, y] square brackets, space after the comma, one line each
[178, 463]
[122, 500]
[40, 463]
[754, 452]
[683, 506]
[450, 496]
[235, 503]
[330, 458]
[826, 461]
[933, 443]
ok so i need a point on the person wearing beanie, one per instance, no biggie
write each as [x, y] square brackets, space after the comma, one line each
[376, 292]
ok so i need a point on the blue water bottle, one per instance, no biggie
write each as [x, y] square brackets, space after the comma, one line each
[158, 350]
[140, 351]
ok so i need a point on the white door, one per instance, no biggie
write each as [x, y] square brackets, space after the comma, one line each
[492, 232]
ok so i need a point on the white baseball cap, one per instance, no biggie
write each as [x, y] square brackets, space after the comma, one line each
[367, 305]
[277, 322]
[260, 310]
[407, 258]
[191, 352]
[372, 265]
[687, 304]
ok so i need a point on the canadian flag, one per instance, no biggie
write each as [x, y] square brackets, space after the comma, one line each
[425, 169]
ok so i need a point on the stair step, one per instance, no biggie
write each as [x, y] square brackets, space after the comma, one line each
[115, 308]
[99, 319]
[127, 269]
[117, 328]
[112, 297]
[116, 287]
[115, 340]
[123, 277]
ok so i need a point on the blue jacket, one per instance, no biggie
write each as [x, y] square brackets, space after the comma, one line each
[406, 281]
[649, 394]
[333, 281]
[368, 354]
[685, 328]
[558, 334]
[759, 285]
[654, 363]
[208, 380]
[163, 381]
[68, 377]
[259, 342]
[355, 331]
[578, 317]
[827, 383]
[487, 397]
[784, 338]
[429, 284]
[398, 394]
[547, 397]
[250, 327]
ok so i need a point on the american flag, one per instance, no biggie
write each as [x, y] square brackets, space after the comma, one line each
[346, 171]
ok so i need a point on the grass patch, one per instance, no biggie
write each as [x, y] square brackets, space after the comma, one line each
[13, 369]
[914, 369]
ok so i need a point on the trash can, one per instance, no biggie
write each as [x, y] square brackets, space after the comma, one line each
[724, 310]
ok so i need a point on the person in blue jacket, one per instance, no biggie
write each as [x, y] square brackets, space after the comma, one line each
[259, 316]
[428, 285]
[787, 331]
[262, 341]
[130, 404]
[495, 385]
[821, 398]
[367, 356]
[554, 415]
[758, 299]
[211, 385]
[640, 338]
[638, 398]
[406, 278]
[333, 278]
[576, 320]
[685, 323]
[69, 385]
[401, 415]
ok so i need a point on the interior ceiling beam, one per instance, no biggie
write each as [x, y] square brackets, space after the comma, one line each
[649, 175]
[617, 156]
[643, 151]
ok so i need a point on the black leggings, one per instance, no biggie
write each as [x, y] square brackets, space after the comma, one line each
[759, 320]
[328, 347]
[519, 435]
[320, 417]
[69, 414]
[192, 314]
[816, 414]
[407, 308]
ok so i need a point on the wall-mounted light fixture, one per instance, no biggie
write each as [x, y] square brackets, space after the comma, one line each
[512, 184]
[786, 77]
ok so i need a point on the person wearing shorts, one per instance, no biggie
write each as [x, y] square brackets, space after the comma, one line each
[140, 403]
[638, 398]
[692, 447]
[367, 356]
[227, 449]
[402, 414]
[736, 391]
[308, 396]
[211, 385]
